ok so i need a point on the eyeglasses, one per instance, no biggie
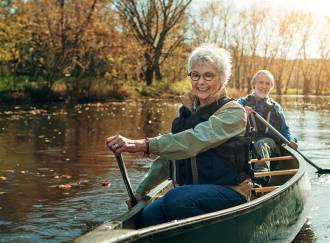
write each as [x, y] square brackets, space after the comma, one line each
[195, 76]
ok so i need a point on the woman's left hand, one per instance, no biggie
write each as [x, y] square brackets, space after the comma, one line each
[119, 144]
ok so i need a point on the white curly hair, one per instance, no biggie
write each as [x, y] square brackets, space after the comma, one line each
[210, 54]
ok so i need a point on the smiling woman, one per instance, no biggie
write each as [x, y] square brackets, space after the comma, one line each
[208, 73]
[199, 153]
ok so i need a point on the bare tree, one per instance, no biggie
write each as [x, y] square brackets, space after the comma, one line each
[214, 23]
[306, 66]
[152, 22]
[256, 18]
[238, 48]
[323, 74]
[289, 26]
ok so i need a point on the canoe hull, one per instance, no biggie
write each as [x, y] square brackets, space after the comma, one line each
[278, 219]
[274, 217]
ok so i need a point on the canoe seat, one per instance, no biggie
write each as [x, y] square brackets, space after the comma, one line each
[282, 158]
[265, 189]
[276, 173]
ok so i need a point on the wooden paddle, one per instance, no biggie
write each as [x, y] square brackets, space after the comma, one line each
[127, 182]
[280, 136]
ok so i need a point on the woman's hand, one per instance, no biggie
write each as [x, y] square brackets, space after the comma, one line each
[248, 110]
[138, 197]
[119, 144]
[293, 145]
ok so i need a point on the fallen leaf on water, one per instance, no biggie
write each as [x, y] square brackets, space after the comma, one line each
[83, 181]
[105, 183]
[64, 186]
[3, 178]
[9, 171]
[62, 177]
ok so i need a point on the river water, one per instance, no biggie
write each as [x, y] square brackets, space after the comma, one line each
[58, 180]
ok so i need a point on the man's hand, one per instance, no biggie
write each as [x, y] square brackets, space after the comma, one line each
[248, 110]
[293, 145]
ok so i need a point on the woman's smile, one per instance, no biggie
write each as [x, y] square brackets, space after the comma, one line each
[205, 81]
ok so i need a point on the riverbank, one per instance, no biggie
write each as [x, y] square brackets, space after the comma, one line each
[91, 91]
[88, 89]
[21, 90]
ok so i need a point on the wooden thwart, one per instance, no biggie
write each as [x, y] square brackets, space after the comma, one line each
[271, 159]
[276, 173]
[265, 189]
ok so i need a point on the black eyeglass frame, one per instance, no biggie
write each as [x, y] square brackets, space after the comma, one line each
[207, 78]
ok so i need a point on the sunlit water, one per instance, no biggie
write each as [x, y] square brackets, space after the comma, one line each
[45, 148]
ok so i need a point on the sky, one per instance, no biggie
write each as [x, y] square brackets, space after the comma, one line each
[316, 7]
[320, 9]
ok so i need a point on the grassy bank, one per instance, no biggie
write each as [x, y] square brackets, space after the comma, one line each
[90, 89]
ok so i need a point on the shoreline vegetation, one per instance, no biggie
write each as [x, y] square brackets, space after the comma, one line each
[21, 90]
[89, 50]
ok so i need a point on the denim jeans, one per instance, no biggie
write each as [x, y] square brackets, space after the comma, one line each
[187, 201]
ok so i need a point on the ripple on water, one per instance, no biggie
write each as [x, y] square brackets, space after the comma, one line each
[322, 180]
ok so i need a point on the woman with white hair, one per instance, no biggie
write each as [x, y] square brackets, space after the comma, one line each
[259, 101]
[200, 154]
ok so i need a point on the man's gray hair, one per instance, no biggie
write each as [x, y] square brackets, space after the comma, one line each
[266, 73]
[210, 54]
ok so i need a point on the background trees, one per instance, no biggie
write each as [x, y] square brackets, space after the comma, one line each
[260, 37]
[86, 44]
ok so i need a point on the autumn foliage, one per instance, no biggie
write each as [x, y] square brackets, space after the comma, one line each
[97, 48]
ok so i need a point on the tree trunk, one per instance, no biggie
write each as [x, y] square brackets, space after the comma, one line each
[149, 72]
[157, 72]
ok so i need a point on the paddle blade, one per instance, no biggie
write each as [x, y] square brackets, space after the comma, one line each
[323, 171]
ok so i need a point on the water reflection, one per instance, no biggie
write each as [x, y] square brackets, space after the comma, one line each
[44, 147]
[306, 235]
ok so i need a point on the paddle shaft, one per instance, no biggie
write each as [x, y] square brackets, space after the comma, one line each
[279, 135]
[127, 182]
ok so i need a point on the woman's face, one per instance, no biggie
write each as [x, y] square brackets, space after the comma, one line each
[262, 86]
[205, 81]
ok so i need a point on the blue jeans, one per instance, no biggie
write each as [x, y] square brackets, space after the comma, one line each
[187, 201]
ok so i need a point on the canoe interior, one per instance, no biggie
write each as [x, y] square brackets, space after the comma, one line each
[278, 209]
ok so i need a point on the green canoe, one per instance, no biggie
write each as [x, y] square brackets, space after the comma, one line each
[276, 216]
